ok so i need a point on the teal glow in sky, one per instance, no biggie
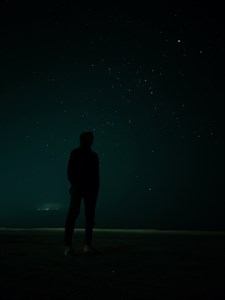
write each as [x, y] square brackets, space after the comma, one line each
[148, 81]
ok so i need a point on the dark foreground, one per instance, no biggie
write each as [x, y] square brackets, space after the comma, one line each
[134, 265]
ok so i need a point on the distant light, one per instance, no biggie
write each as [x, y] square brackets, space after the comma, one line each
[49, 207]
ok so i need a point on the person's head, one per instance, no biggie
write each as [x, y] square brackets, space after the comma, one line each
[86, 139]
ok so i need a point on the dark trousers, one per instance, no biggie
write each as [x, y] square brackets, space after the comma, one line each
[90, 199]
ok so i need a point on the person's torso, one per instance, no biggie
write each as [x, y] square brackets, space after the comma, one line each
[85, 166]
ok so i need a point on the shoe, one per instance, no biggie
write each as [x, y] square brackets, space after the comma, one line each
[68, 251]
[90, 250]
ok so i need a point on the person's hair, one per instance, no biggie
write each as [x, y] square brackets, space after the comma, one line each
[85, 135]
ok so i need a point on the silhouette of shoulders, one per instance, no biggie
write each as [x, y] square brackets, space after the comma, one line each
[76, 152]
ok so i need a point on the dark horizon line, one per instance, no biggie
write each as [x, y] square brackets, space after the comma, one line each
[128, 230]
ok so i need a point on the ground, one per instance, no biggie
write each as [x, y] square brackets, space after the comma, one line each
[133, 265]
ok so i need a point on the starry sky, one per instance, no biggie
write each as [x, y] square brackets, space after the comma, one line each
[146, 77]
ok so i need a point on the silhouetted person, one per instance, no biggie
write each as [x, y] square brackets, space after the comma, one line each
[83, 175]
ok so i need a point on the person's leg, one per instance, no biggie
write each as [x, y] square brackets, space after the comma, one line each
[90, 200]
[73, 213]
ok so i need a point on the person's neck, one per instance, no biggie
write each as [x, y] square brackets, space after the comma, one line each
[85, 148]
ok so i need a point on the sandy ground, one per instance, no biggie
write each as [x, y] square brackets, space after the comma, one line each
[133, 265]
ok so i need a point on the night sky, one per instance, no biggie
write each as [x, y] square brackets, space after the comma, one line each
[146, 77]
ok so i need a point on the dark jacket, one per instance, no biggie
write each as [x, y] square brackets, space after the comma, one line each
[83, 168]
